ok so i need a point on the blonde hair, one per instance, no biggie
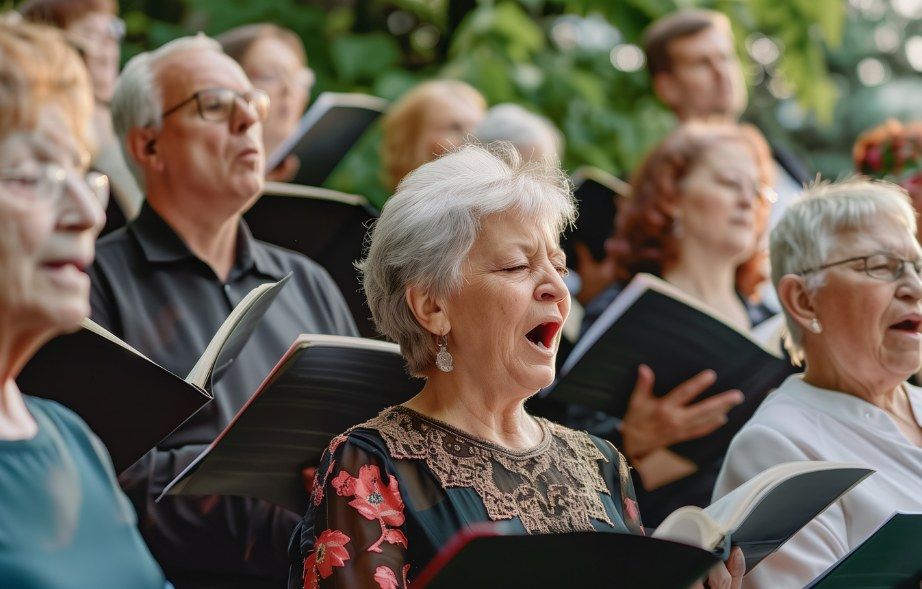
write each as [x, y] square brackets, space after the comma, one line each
[403, 122]
[38, 67]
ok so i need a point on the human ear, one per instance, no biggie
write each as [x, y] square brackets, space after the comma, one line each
[428, 310]
[797, 301]
[141, 143]
[667, 90]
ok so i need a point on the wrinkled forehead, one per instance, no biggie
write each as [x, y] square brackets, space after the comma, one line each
[181, 74]
[50, 141]
[510, 230]
[886, 233]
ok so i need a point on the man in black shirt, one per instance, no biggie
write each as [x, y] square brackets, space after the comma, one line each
[190, 121]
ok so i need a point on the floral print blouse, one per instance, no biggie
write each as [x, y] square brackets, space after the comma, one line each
[391, 492]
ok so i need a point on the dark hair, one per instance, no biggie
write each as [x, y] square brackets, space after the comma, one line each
[61, 13]
[673, 26]
[238, 41]
[644, 240]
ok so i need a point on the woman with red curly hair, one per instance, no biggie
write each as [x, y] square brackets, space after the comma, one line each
[697, 217]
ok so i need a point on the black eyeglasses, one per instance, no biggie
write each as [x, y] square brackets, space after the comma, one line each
[218, 104]
[880, 266]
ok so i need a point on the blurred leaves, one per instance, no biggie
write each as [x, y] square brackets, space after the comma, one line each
[359, 59]
[509, 51]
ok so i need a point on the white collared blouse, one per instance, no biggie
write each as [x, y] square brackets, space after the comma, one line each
[802, 422]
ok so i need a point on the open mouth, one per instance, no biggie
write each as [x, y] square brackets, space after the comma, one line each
[543, 335]
[907, 325]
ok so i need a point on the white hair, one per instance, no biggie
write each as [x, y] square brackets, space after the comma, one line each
[138, 98]
[527, 131]
[427, 228]
[811, 228]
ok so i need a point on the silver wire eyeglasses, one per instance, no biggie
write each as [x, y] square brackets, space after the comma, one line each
[48, 182]
[880, 266]
[218, 104]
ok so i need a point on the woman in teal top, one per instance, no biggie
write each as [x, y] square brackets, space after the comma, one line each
[64, 523]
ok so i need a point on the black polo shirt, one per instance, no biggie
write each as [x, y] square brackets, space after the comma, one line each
[153, 292]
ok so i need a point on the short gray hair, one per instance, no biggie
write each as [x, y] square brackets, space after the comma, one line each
[524, 129]
[427, 229]
[138, 98]
[811, 227]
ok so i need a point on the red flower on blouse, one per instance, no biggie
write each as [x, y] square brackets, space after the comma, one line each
[387, 579]
[329, 551]
[375, 501]
[321, 481]
[632, 513]
[372, 499]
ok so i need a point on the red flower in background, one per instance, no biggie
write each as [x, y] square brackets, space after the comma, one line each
[874, 158]
[329, 551]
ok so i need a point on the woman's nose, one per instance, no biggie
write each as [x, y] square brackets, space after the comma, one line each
[81, 208]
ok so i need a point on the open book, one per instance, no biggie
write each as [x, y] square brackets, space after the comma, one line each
[326, 226]
[327, 131]
[763, 513]
[128, 400]
[655, 323]
[322, 386]
[890, 558]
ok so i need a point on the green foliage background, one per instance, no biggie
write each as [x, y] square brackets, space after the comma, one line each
[508, 50]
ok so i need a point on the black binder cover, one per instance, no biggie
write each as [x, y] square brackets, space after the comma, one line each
[128, 401]
[677, 341]
[330, 231]
[328, 130]
[551, 561]
[320, 388]
[890, 559]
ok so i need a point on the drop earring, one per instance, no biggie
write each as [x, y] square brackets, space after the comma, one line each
[815, 326]
[443, 358]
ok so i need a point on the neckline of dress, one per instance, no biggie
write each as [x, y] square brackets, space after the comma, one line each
[477, 441]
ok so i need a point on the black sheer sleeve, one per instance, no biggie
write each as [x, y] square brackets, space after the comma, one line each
[353, 533]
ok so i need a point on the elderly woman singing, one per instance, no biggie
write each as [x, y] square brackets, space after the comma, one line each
[847, 265]
[465, 272]
[64, 523]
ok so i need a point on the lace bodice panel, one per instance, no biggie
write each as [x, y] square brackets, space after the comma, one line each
[390, 492]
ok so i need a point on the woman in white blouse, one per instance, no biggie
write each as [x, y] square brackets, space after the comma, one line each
[846, 265]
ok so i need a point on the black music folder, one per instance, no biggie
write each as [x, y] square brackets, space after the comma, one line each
[128, 400]
[323, 385]
[480, 557]
[328, 227]
[655, 323]
[332, 124]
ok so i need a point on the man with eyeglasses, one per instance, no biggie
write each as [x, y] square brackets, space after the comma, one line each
[190, 121]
